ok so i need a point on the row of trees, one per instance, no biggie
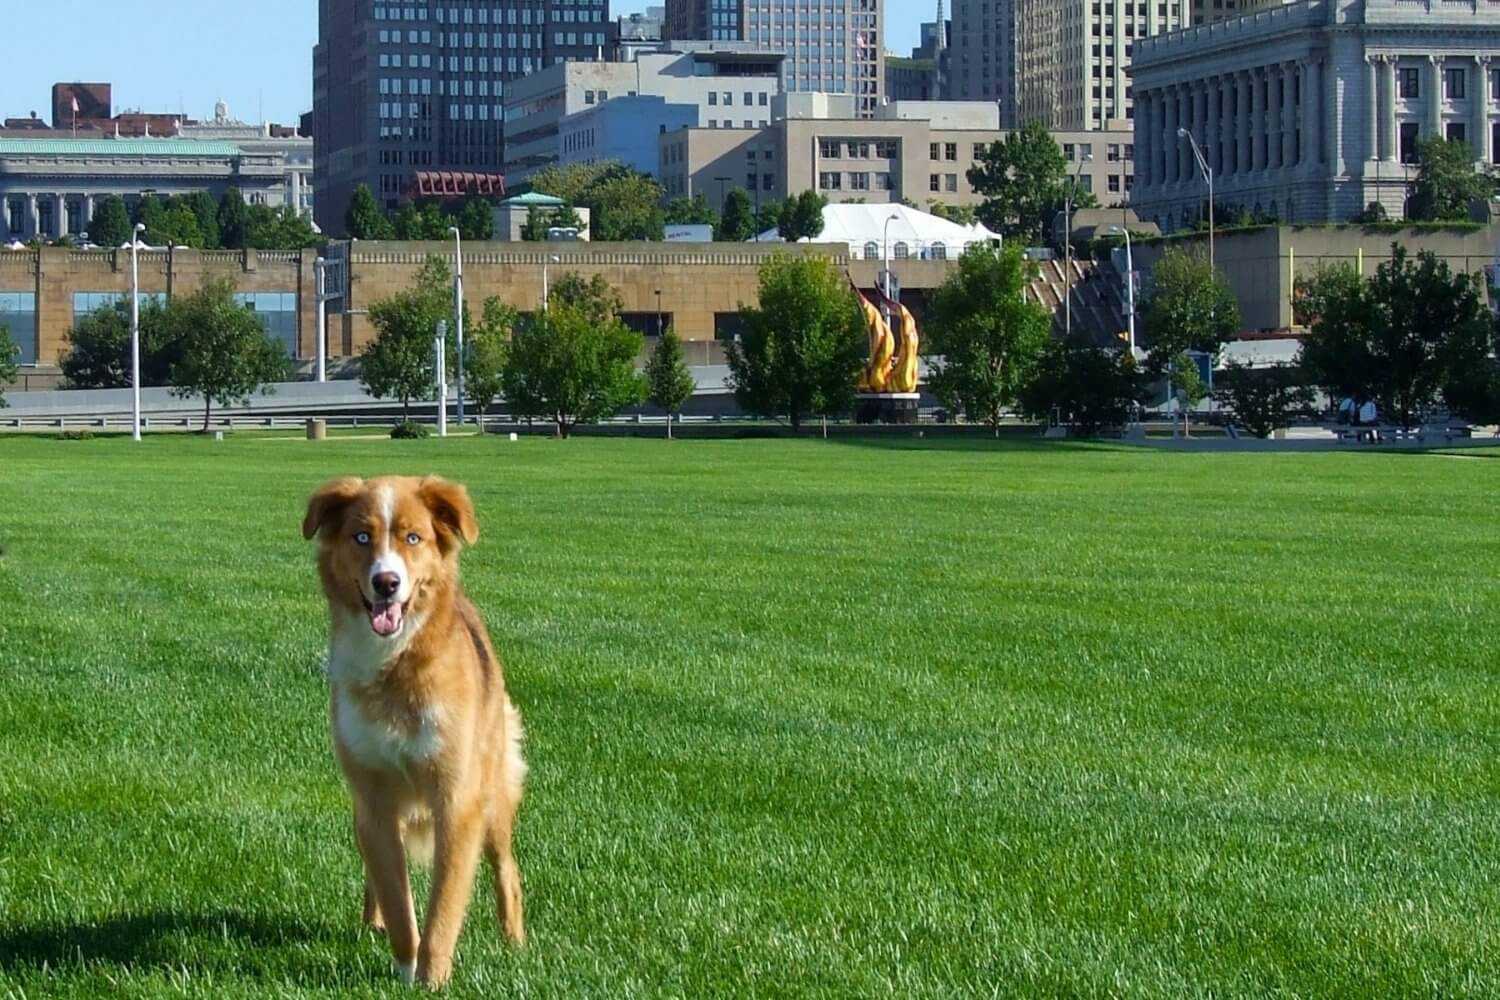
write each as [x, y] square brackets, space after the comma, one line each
[426, 220]
[197, 220]
[201, 344]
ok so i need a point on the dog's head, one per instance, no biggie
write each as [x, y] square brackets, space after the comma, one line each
[388, 545]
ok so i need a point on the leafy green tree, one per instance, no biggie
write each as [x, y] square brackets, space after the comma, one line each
[767, 217]
[171, 223]
[1400, 338]
[1188, 307]
[595, 297]
[406, 224]
[1187, 386]
[568, 366]
[398, 363]
[8, 367]
[534, 229]
[281, 228]
[803, 345]
[364, 220]
[1262, 399]
[475, 219]
[623, 203]
[226, 353]
[1475, 394]
[693, 211]
[149, 211]
[984, 338]
[737, 223]
[233, 219]
[486, 346]
[1024, 181]
[1447, 183]
[669, 382]
[110, 226]
[963, 215]
[1088, 387]
[206, 214]
[801, 217]
[98, 355]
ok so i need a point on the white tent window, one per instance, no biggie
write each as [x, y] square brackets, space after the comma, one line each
[901, 251]
[939, 251]
[872, 250]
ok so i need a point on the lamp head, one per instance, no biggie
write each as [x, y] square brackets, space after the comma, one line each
[1182, 133]
[453, 230]
[140, 227]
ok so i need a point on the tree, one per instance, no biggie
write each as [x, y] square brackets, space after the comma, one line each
[692, 211]
[1400, 338]
[486, 346]
[110, 226]
[801, 217]
[572, 363]
[623, 203]
[233, 219]
[983, 337]
[1187, 386]
[1262, 399]
[171, 224]
[1447, 183]
[364, 220]
[226, 353]
[737, 223]
[802, 346]
[98, 354]
[767, 217]
[281, 228]
[398, 363]
[1023, 179]
[963, 215]
[1188, 307]
[1088, 387]
[148, 211]
[595, 296]
[475, 219]
[1475, 394]
[669, 383]
[539, 220]
[8, 367]
[206, 215]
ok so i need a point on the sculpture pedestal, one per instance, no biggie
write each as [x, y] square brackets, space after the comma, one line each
[886, 407]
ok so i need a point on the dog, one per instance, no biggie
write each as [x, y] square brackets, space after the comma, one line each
[426, 735]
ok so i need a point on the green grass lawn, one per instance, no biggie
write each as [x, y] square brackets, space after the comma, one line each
[806, 719]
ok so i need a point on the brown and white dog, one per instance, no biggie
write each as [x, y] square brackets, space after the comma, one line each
[427, 737]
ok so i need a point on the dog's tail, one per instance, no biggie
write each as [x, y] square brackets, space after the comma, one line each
[417, 838]
[515, 762]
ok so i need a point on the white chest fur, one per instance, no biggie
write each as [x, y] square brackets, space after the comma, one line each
[385, 743]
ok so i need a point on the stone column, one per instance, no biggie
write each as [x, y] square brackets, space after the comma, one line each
[1184, 151]
[1391, 150]
[1479, 102]
[1145, 139]
[88, 212]
[34, 227]
[1435, 95]
[1211, 123]
[60, 214]
[1169, 159]
[1312, 114]
[1244, 147]
[1288, 115]
[1275, 80]
[1257, 120]
[1372, 107]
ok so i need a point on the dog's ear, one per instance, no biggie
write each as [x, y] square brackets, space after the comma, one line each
[328, 501]
[451, 508]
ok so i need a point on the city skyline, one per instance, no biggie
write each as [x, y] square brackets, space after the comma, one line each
[184, 71]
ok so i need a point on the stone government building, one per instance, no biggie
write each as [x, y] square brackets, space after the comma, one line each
[1309, 112]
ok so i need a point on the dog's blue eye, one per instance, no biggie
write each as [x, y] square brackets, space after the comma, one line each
[413, 538]
[363, 538]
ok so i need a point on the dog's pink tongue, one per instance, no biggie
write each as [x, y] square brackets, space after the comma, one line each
[385, 619]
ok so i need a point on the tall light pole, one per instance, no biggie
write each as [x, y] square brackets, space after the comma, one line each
[658, 314]
[320, 269]
[1129, 281]
[546, 290]
[885, 257]
[458, 315]
[1068, 243]
[1208, 177]
[135, 332]
[440, 365]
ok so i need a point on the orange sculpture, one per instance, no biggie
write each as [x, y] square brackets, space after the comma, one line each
[890, 369]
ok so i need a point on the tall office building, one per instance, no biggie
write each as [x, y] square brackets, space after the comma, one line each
[983, 57]
[1073, 57]
[418, 87]
[1209, 11]
[831, 46]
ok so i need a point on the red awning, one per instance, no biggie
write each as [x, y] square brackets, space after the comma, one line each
[454, 184]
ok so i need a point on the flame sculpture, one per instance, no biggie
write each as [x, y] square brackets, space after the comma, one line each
[890, 369]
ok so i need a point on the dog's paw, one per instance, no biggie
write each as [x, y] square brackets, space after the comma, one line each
[405, 971]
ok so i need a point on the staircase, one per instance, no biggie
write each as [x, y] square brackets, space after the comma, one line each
[1098, 294]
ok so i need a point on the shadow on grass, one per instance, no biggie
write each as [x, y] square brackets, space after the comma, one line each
[224, 940]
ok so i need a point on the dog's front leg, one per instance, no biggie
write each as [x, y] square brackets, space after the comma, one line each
[458, 830]
[379, 835]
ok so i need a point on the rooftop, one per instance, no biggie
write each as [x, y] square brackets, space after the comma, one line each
[116, 147]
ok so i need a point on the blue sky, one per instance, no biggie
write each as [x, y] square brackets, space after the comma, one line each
[182, 55]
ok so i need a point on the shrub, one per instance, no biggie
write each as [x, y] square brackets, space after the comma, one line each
[409, 430]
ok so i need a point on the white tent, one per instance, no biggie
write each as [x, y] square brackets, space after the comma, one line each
[912, 233]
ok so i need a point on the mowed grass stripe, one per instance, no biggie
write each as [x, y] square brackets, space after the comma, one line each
[817, 719]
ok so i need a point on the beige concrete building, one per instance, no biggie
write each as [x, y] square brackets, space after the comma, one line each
[919, 152]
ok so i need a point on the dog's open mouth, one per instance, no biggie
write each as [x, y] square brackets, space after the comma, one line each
[386, 617]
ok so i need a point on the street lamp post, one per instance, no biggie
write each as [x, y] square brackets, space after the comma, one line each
[1068, 244]
[1208, 177]
[320, 270]
[885, 255]
[723, 183]
[1129, 281]
[440, 366]
[135, 332]
[658, 314]
[458, 316]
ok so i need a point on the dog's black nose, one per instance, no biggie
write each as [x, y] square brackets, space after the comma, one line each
[386, 584]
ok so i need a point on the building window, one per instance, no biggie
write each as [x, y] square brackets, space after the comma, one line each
[1409, 133]
[277, 312]
[872, 250]
[1456, 79]
[1410, 83]
[1455, 132]
[935, 153]
[830, 180]
[935, 183]
[938, 251]
[18, 314]
[950, 182]
[950, 152]
[901, 251]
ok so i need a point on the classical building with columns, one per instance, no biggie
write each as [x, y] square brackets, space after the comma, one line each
[1309, 112]
[48, 187]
